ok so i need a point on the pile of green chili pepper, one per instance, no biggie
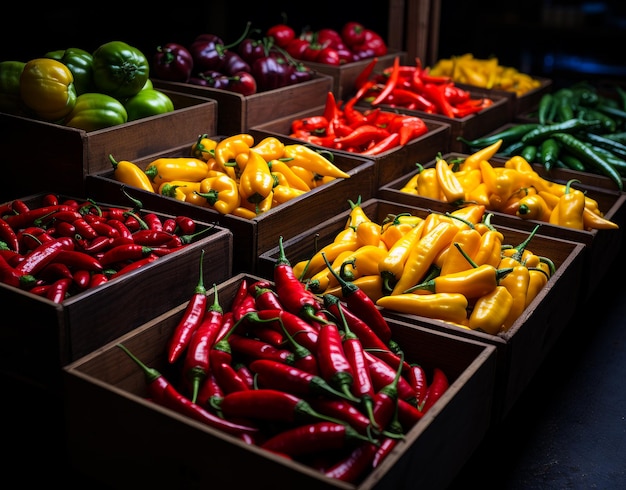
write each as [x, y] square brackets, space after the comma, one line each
[305, 378]
[577, 128]
[63, 247]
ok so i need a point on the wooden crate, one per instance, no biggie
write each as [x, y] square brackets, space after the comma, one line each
[38, 156]
[389, 164]
[522, 348]
[237, 113]
[254, 236]
[345, 75]
[106, 399]
[40, 336]
[601, 246]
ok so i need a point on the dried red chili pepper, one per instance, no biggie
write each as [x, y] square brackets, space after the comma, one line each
[191, 319]
[165, 394]
[196, 365]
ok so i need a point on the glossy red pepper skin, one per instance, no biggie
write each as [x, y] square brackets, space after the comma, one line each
[137, 264]
[383, 374]
[165, 394]
[302, 331]
[79, 260]
[58, 290]
[265, 297]
[45, 253]
[257, 349]
[9, 275]
[191, 319]
[353, 466]
[8, 235]
[436, 389]
[333, 364]
[125, 252]
[418, 380]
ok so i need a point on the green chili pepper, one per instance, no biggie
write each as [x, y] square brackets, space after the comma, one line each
[119, 70]
[96, 111]
[549, 153]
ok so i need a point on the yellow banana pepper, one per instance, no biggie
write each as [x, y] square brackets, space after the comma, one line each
[291, 177]
[179, 189]
[176, 168]
[284, 193]
[256, 181]
[303, 156]
[392, 231]
[517, 283]
[491, 310]
[368, 233]
[131, 174]
[439, 306]
[472, 162]
[428, 184]
[204, 148]
[270, 148]
[357, 215]
[370, 285]
[469, 240]
[450, 186]
[392, 265]
[226, 152]
[221, 193]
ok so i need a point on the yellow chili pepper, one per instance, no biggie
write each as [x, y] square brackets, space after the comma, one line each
[284, 193]
[324, 279]
[593, 221]
[490, 247]
[292, 178]
[370, 285]
[357, 215]
[242, 212]
[258, 207]
[533, 207]
[440, 306]
[410, 186]
[450, 186]
[392, 265]
[538, 278]
[256, 181]
[176, 168]
[221, 193]
[472, 213]
[501, 182]
[516, 283]
[472, 162]
[513, 256]
[368, 233]
[520, 164]
[366, 259]
[131, 174]
[392, 231]
[550, 199]
[428, 184]
[469, 179]
[270, 148]
[227, 150]
[570, 208]
[469, 240]
[317, 263]
[479, 195]
[305, 157]
[311, 179]
[204, 148]
[179, 189]
[491, 310]
[422, 255]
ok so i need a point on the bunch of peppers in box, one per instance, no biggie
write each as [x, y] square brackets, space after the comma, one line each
[234, 175]
[289, 373]
[453, 267]
[415, 88]
[370, 132]
[62, 246]
[513, 188]
[83, 90]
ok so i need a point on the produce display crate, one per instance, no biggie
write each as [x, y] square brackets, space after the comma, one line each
[517, 104]
[469, 127]
[172, 450]
[237, 113]
[253, 236]
[45, 336]
[389, 164]
[522, 348]
[345, 75]
[38, 156]
[601, 246]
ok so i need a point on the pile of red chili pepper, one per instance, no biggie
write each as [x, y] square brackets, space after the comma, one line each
[316, 382]
[414, 88]
[369, 132]
[65, 246]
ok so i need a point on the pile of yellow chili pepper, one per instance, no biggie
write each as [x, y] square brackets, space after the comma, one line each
[234, 175]
[514, 188]
[484, 73]
[451, 267]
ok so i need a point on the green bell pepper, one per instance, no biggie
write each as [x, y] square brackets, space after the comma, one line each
[148, 102]
[95, 111]
[10, 72]
[80, 63]
[119, 70]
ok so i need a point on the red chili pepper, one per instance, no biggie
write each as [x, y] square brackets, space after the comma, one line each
[362, 305]
[390, 142]
[364, 76]
[55, 271]
[386, 406]
[18, 206]
[134, 222]
[363, 135]
[98, 244]
[408, 414]
[124, 252]
[102, 228]
[436, 94]
[68, 215]
[9, 275]
[311, 438]
[27, 218]
[63, 228]
[344, 411]
[333, 364]
[165, 394]
[153, 221]
[196, 365]
[437, 387]
[257, 349]
[40, 290]
[169, 225]
[191, 319]
[137, 264]
[244, 373]
[45, 253]
[152, 238]
[59, 289]
[277, 375]
[350, 468]
[418, 380]
[82, 279]
[8, 235]
[210, 394]
[84, 229]
[391, 82]
[115, 214]
[382, 374]
[331, 109]
[303, 357]
[79, 260]
[353, 116]
[305, 334]
[227, 377]
[265, 297]
[120, 227]
[291, 292]
[50, 200]
[383, 450]
[97, 280]
[186, 225]
[271, 336]
[245, 305]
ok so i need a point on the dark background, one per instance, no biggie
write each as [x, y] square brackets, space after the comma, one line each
[544, 38]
